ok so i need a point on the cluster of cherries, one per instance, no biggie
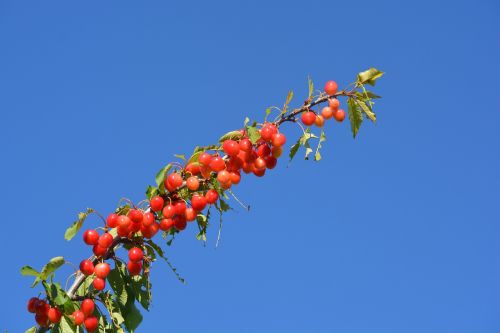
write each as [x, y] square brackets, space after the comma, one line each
[172, 212]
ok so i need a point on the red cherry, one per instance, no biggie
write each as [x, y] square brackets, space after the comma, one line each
[212, 196]
[148, 219]
[190, 214]
[263, 150]
[31, 304]
[271, 162]
[331, 88]
[149, 232]
[41, 307]
[267, 131]
[42, 319]
[327, 112]
[168, 211]
[123, 222]
[192, 183]
[308, 118]
[193, 168]
[339, 115]
[180, 207]
[90, 237]
[54, 315]
[91, 324]
[135, 215]
[278, 139]
[102, 270]
[134, 268]
[235, 177]
[319, 121]
[333, 103]
[166, 224]
[205, 159]
[245, 145]
[87, 267]
[199, 202]
[226, 185]
[234, 163]
[112, 220]
[259, 172]
[100, 251]
[276, 151]
[247, 167]
[174, 180]
[135, 254]
[105, 240]
[206, 172]
[180, 222]
[217, 164]
[231, 147]
[99, 283]
[223, 176]
[87, 307]
[260, 163]
[78, 317]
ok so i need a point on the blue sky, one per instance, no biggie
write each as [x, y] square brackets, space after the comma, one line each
[396, 231]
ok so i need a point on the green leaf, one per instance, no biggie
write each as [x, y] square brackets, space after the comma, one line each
[151, 191]
[132, 317]
[294, 149]
[367, 110]
[233, 135]
[72, 231]
[322, 138]
[369, 76]
[253, 134]
[48, 269]
[66, 325]
[245, 123]
[31, 330]
[182, 157]
[160, 253]
[29, 271]
[367, 94]
[311, 87]
[194, 157]
[224, 206]
[117, 283]
[289, 97]
[268, 112]
[56, 293]
[160, 177]
[355, 116]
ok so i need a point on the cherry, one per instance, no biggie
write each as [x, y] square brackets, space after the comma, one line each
[148, 219]
[90, 237]
[135, 254]
[149, 232]
[134, 268]
[206, 172]
[174, 180]
[331, 88]
[192, 183]
[168, 211]
[42, 319]
[263, 150]
[180, 207]
[135, 215]
[267, 131]
[124, 222]
[105, 240]
[102, 270]
[259, 172]
[190, 214]
[247, 167]
[78, 317]
[223, 176]
[235, 177]
[205, 159]
[100, 251]
[212, 196]
[276, 151]
[327, 112]
[193, 168]
[99, 283]
[260, 164]
[87, 267]
[166, 224]
[169, 186]
[112, 220]
[226, 185]
[271, 162]
[41, 307]
[339, 115]
[199, 202]
[231, 147]
[278, 140]
[319, 121]
[234, 163]
[91, 324]
[217, 164]
[308, 118]
[245, 145]
[156, 203]
[54, 315]
[333, 103]
[180, 222]
[31, 304]
[87, 307]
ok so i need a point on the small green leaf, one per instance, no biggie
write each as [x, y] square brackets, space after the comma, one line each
[182, 157]
[268, 112]
[311, 87]
[29, 271]
[287, 101]
[160, 252]
[160, 177]
[66, 325]
[366, 94]
[294, 149]
[367, 110]
[151, 191]
[355, 116]
[245, 123]
[253, 134]
[31, 330]
[308, 152]
[73, 229]
[194, 157]
[233, 135]
[48, 269]
[369, 76]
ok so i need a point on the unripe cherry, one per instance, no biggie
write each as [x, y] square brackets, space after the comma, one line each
[217, 164]
[135, 215]
[339, 115]
[91, 324]
[319, 121]
[90, 237]
[327, 112]
[263, 150]
[205, 158]
[166, 224]
[105, 240]
[308, 118]
[87, 267]
[276, 151]
[223, 176]
[134, 268]
[190, 214]
[168, 211]
[31, 304]
[174, 180]
[112, 220]
[231, 147]
[135, 254]
[192, 183]
[331, 88]
[212, 196]
[198, 202]
[333, 103]
[148, 219]
[54, 315]
[99, 283]
[100, 251]
[78, 317]
[102, 270]
[87, 307]
[278, 139]
[245, 145]
[271, 162]
[156, 203]
[180, 222]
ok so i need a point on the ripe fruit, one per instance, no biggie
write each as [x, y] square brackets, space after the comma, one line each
[259, 164]
[31, 304]
[339, 115]
[91, 324]
[180, 208]
[245, 145]
[223, 176]
[123, 222]
[99, 283]
[78, 317]
[135, 254]
[205, 158]
[41, 307]
[54, 315]
[87, 267]
[263, 150]
[212, 196]
[234, 177]
[319, 121]
[259, 172]
[168, 211]
[231, 147]
[149, 232]
[331, 88]
[180, 222]
[174, 180]
[100, 251]
[206, 172]
[112, 220]
[333, 103]
[271, 162]
[193, 168]
[156, 203]
[135, 215]
[192, 183]
[308, 118]
[90, 237]
[278, 140]
[42, 319]
[134, 268]
[217, 164]
[327, 112]
[276, 151]
[166, 224]
[267, 131]
[148, 219]
[190, 214]
[102, 270]
[87, 307]
[198, 202]
[105, 240]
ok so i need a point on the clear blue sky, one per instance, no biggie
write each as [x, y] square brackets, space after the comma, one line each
[396, 231]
